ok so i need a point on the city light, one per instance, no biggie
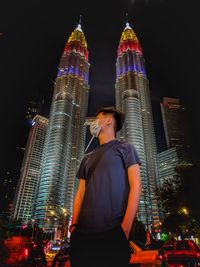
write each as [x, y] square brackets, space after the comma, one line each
[52, 212]
[184, 211]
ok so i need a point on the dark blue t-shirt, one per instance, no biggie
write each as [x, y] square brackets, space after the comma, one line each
[106, 195]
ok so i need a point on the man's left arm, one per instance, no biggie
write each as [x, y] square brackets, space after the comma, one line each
[133, 198]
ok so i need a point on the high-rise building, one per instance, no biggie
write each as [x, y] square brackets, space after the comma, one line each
[173, 116]
[133, 97]
[30, 171]
[174, 124]
[65, 140]
[33, 108]
[167, 161]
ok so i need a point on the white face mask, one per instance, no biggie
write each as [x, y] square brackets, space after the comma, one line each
[95, 128]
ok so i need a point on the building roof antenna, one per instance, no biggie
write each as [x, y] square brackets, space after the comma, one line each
[80, 19]
[127, 20]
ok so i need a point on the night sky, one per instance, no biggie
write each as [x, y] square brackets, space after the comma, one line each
[32, 38]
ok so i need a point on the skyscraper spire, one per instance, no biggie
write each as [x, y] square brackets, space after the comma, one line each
[80, 19]
[127, 20]
[129, 41]
[77, 43]
[79, 24]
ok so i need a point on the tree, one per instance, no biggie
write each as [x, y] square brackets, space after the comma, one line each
[178, 199]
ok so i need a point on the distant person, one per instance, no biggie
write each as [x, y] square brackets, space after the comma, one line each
[107, 197]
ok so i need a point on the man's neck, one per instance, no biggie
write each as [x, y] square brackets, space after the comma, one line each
[105, 138]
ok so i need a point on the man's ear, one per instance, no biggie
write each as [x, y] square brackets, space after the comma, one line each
[109, 120]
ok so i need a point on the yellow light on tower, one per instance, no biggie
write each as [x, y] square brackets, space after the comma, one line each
[52, 212]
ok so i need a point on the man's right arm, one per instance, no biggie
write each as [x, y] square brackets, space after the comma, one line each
[78, 202]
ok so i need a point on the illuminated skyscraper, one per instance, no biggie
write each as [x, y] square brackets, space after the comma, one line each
[30, 171]
[65, 141]
[173, 116]
[177, 153]
[133, 97]
[33, 108]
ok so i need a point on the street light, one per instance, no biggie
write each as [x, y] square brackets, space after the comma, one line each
[184, 211]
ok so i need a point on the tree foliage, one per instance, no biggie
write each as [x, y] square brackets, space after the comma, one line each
[178, 198]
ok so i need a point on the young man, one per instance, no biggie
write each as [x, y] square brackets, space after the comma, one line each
[107, 199]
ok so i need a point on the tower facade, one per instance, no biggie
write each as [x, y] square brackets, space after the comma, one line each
[30, 171]
[33, 108]
[133, 97]
[177, 152]
[173, 116]
[167, 161]
[65, 140]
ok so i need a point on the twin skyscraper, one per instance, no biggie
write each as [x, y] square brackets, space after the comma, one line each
[54, 186]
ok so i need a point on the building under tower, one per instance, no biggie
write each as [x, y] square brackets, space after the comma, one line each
[34, 107]
[177, 152]
[173, 117]
[133, 97]
[30, 171]
[65, 140]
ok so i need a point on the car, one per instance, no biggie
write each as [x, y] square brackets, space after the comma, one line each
[141, 256]
[180, 253]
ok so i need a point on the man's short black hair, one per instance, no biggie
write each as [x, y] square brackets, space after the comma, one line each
[116, 113]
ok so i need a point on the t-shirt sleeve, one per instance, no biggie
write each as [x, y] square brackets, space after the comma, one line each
[81, 173]
[130, 155]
